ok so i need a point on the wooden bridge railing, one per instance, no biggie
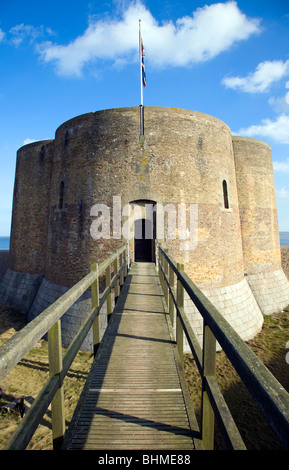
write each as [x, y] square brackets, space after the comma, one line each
[49, 321]
[268, 393]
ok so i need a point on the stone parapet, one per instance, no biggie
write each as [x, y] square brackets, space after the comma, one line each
[18, 290]
[238, 306]
[271, 290]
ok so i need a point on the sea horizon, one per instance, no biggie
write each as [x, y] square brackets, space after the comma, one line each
[5, 241]
[284, 238]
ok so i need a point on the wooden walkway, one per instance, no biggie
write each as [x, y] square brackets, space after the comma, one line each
[134, 397]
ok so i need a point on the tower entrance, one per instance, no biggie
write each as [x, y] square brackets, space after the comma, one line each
[144, 243]
[142, 220]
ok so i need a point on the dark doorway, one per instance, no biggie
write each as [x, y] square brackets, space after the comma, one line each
[144, 246]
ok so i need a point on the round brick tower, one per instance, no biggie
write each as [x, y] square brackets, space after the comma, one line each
[184, 158]
[30, 210]
[259, 223]
[181, 169]
[29, 225]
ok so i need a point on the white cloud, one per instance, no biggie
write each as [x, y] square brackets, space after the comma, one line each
[203, 35]
[2, 34]
[283, 193]
[22, 32]
[287, 94]
[280, 105]
[282, 166]
[259, 81]
[277, 130]
[28, 141]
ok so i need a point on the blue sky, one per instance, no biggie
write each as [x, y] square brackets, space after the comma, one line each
[60, 59]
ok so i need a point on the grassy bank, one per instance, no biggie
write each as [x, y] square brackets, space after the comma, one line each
[27, 379]
[270, 347]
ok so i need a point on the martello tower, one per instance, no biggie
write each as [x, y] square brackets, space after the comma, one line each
[184, 157]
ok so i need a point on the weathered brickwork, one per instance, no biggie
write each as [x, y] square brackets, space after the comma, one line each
[259, 223]
[30, 208]
[185, 157]
[257, 204]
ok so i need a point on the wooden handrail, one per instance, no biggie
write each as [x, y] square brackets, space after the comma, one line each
[268, 393]
[48, 321]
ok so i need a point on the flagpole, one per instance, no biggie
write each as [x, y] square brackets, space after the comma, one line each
[140, 61]
[141, 82]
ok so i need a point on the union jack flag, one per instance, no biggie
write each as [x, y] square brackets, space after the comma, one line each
[144, 80]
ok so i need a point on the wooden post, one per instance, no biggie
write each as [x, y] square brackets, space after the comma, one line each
[156, 255]
[128, 255]
[55, 367]
[108, 284]
[126, 259]
[161, 275]
[121, 261]
[95, 304]
[116, 286]
[209, 369]
[180, 308]
[166, 275]
[171, 301]
[160, 264]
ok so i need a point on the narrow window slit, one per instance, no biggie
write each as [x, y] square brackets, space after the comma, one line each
[61, 193]
[225, 194]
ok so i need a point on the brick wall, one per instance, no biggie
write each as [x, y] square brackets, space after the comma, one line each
[30, 207]
[257, 202]
[184, 157]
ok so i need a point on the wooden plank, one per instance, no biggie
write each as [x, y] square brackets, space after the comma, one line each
[133, 397]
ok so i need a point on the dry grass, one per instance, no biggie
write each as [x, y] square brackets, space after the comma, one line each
[270, 346]
[27, 378]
